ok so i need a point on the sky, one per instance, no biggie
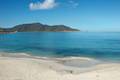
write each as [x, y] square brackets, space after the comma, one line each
[86, 15]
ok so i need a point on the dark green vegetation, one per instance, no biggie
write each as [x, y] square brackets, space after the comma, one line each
[37, 27]
[6, 30]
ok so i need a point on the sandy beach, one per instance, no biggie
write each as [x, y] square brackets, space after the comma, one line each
[28, 68]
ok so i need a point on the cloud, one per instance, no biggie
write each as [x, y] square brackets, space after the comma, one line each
[46, 4]
[73, 3]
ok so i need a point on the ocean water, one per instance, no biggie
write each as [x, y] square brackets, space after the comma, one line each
[98, 45]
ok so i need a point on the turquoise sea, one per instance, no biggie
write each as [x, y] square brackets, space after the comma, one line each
[98, 45]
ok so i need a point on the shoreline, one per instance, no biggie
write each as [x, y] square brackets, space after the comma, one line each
[42, 68]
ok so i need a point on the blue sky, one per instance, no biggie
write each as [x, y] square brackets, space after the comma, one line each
[87, 15]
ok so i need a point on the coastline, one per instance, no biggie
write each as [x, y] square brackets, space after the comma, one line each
[25, 67]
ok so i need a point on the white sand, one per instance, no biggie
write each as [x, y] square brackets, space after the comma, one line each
[46, 69]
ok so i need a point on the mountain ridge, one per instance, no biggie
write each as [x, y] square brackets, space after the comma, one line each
[38, 27]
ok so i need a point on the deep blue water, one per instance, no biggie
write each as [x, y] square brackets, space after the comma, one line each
[98, 45]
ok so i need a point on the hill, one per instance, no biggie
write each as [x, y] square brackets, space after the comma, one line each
[38, 27]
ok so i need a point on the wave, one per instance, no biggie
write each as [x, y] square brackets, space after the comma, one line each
[7, 54]
[67, 61]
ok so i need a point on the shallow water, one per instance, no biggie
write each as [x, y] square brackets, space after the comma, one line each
[98, 45]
